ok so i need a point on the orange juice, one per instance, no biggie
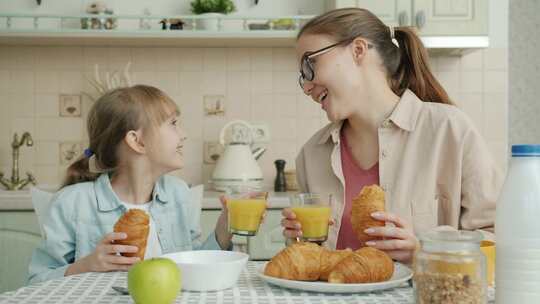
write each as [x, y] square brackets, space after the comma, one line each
[314, 221]
[245, 215]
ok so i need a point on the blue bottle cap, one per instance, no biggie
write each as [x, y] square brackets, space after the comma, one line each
[525, 150]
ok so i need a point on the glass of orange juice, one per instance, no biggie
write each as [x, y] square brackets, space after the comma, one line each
[313, 212]
[246, 209]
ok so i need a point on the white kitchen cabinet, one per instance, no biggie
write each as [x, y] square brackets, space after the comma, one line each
[391, 12]
[431, 17]
[451, 17]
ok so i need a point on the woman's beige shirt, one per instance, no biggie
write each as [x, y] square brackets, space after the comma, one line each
[434, 167]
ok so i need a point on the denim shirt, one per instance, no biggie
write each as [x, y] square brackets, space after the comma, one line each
[81, 215]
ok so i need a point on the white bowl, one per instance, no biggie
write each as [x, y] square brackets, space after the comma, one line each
[205, 270]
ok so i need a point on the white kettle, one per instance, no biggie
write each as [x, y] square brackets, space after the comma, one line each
[237, 166]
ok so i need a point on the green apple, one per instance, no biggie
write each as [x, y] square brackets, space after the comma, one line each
[156, 281]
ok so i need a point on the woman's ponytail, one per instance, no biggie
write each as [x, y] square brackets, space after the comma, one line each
[413, 71]
[407, 64]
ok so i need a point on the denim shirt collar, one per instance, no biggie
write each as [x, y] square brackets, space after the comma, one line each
[107, 200]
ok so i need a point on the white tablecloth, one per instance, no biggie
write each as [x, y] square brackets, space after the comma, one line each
[96, 288]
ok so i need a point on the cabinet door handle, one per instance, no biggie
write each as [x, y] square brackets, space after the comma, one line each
[403, 18]
[420, 19]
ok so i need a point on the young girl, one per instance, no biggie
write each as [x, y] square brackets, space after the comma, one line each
[392, 124]
[134, 140]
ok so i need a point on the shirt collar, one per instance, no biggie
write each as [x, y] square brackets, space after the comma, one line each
[107, 200]
[404, 116]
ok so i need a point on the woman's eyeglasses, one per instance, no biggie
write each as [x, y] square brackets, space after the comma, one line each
[307, 72]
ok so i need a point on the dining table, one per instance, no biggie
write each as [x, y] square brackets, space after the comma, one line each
[96, 287]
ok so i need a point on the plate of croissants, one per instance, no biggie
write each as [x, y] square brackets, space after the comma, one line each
[310, 267]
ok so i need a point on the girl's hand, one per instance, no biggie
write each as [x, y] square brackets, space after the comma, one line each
[222, 227]
[291, 226]
[223, 236]
[105, 257]
[398, 242]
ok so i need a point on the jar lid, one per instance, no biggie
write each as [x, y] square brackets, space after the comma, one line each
[451, 241]
[525, 150]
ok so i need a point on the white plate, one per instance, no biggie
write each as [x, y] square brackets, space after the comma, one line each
[401, 274]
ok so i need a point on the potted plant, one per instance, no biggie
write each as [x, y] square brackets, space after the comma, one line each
[212, 9]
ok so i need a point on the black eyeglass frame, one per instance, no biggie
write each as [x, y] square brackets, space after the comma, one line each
[307, 71]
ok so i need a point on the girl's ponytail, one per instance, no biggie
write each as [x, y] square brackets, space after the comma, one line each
[413, 71]
[79, 172]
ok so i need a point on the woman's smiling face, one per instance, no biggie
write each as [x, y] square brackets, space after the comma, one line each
[335, 75]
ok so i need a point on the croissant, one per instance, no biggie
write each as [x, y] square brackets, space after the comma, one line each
[136, 224]
[366, 265]
[300, 261]
[329, 259]
[370, 199]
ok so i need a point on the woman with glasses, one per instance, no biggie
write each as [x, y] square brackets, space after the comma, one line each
[392, 124]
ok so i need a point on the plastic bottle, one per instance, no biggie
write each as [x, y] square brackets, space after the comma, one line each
[517, 229]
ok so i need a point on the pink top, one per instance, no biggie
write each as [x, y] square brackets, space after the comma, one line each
[355, 179]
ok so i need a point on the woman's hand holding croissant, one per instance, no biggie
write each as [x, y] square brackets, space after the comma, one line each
[105, 257]
[398, 242]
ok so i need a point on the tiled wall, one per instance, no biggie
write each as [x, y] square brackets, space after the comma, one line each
[259, 85]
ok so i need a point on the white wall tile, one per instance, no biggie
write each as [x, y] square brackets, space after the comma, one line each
[472, 81]
[21, 104]
[448, 63]
[496, 116]
[472, 61]
[214, 82]
[48, 175]
[147, 78]
[193, 152]
[191, 82]
[212, 127]
[6, 58]
[5, 82]
[495, 82]
[449, 80]
[92, 56]
[167, 60]
[286, 105]
[71, 82]
[496, 59]
[285, 82]
[238, 82]
[47, 153]
[238, 59]
[144, 59]
[214, 59]
[46, 105]
[118, 58]
[24, 58]
[191, 105]
[262, 107]
[190, 59]
[71, 58]
[307, 107]
[46, 81]
[238, 106]
[472, 105]
[261, 59]
[261, 82]
[168, 82]
[22, 81]
[284, 59]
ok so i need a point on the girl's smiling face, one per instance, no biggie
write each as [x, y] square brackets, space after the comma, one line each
[165, 150]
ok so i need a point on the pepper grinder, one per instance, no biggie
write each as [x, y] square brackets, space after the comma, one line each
[280, 185]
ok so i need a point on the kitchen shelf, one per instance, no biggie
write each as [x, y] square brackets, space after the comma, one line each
[232, 31]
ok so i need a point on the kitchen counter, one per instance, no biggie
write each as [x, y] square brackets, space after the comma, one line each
[22, 200]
